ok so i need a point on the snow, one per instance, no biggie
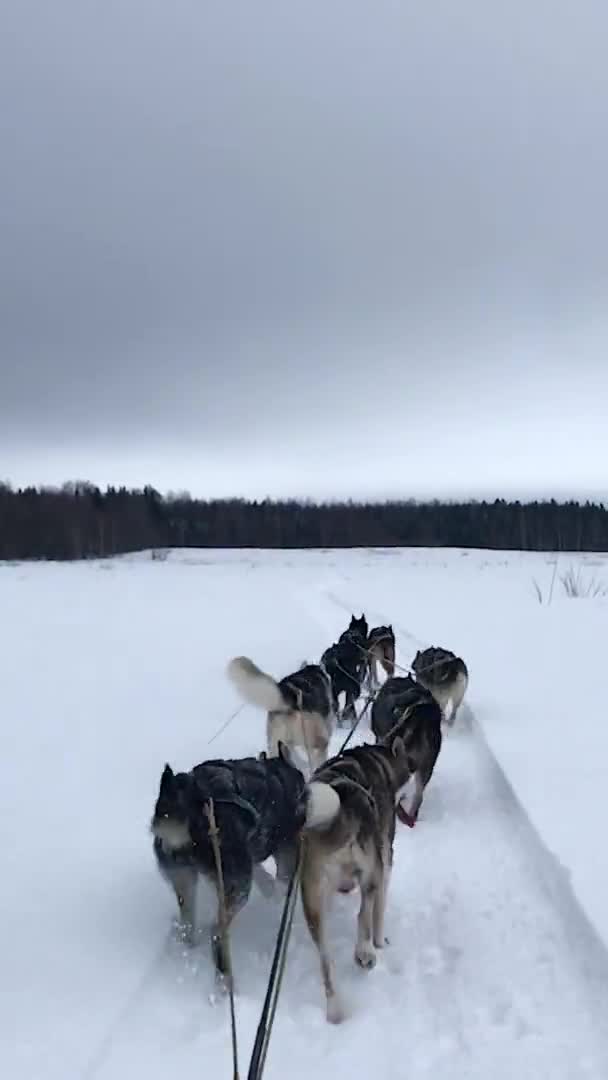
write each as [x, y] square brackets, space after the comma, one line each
[498, 907]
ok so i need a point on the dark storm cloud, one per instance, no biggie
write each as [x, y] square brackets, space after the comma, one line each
[329, 214]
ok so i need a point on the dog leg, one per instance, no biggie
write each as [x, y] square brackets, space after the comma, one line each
[318, 754]
[365, 956]
[388, 662]
[456, 702]
[184, 881]
[338, 713]
[314, 737]
[449, 712]
[237, 886]
[380, 905]
[312, 902]
[285, 858]
[349, 716]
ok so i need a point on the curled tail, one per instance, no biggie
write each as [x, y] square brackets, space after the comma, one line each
[255, 686]
[320, 805]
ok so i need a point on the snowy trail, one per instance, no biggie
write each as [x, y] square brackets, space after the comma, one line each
[490, 968]
[486, 970]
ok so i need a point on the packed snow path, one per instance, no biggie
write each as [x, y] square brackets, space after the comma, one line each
[491, 971]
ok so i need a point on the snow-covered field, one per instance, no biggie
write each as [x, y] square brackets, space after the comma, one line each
[498, 910]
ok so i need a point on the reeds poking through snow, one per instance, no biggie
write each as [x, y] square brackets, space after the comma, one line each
[576, 586]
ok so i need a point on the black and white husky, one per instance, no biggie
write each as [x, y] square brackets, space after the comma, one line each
[346, 663]
[255, 803]
[299, 707]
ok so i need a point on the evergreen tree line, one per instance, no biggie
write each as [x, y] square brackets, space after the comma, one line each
[80, 521]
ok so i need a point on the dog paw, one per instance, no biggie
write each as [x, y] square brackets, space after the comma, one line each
[222, 984]
[365, 957]
[381, 942]
[220, 990]
[184, 933]
[335, 1012]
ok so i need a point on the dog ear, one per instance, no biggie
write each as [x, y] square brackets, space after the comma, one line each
[262, 756]
[167, 776]
[284, 753]
[397, 746]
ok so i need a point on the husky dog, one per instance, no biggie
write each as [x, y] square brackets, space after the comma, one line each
[445, 675]
[300, 706]
[356, 631]
[345, 662]
[406, 709]
[345, 666]
[380, 650]
[348, 812]
[256, 806]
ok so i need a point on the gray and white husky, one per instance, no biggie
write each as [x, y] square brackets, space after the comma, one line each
[299, 707]
[445, 675]
[348, 820]
[405, 708]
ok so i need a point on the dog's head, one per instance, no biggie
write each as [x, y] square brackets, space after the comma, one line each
[170, 821]
[358, 627]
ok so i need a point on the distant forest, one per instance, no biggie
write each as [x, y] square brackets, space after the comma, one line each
[79, 521]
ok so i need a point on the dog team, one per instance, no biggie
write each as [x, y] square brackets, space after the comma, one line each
[344, 809]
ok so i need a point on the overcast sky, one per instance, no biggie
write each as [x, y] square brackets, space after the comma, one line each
[322, 247]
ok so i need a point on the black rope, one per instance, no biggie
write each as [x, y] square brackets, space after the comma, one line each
[224, 933]
[356, 724]
[262, 1037]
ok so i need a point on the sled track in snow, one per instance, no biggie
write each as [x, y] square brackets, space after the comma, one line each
[161, 969]
[490, 966]
[556, 877]
[554, 874]
[493, 968]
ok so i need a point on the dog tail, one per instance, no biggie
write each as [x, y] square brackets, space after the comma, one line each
[321, 805]
[254, 685]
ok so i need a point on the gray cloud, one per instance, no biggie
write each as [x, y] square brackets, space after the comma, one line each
[241, 243]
